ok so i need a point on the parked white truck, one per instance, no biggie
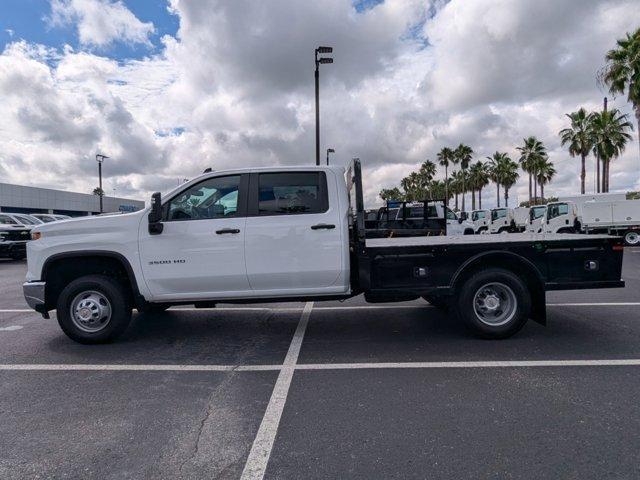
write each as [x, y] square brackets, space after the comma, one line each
[292, 234]
[502, 221]
[536, 217]
[521, 218]
[618, 217]
[481, 220]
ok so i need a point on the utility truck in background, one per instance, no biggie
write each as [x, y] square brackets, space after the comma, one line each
[481, 220]
[281, 234]
[536, 218]
[521, 218]
[502, 221]
[601, 216]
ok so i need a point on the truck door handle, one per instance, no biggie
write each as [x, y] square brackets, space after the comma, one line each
[228, 230]
[326, 226]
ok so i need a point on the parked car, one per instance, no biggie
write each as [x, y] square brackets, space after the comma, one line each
[13, 238]
[50, 217]
[296, 233]
[24, 219]
[456, 224]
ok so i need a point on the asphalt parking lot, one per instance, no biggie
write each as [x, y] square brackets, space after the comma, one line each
[325, 390]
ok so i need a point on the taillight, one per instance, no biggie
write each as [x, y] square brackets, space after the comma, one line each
[618, 247]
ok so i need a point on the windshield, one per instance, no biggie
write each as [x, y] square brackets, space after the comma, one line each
[557, 209]
[536, 212]
[499, 213]
[475, 216]
[25, 220]
[7, 220]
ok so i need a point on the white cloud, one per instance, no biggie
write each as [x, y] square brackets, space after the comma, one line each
[100, 22]
[234, 87]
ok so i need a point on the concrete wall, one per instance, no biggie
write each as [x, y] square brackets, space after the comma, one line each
[22, 198]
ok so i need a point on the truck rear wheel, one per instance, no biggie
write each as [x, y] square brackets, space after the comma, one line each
[93, 309]
[632, 238]
[494, 303]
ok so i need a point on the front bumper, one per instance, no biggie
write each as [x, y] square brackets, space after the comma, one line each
[34, 295]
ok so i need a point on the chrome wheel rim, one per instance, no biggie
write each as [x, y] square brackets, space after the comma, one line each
[90, 311]
[495, 304]
[632, 238]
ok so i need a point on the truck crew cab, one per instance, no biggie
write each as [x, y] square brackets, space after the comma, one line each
[293, 234]
[502, 221]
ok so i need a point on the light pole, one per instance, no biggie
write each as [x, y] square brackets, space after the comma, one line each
[317, 78]
[100, 158]
[329, 150]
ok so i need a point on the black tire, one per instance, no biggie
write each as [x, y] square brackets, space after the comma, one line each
[153, 308]
[118, 302]
[466, 303]
[437, 301]
[469, 231]
[632, 238]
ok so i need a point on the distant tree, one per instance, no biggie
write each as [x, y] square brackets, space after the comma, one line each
[455, 185]
[532, 152]
[391, 194]
[98, 191]
[446, 157]
[622, 71]
[610, 136]
[579, 138]
[503, 171]
[464, 155]
[478, 179]
[545, 172]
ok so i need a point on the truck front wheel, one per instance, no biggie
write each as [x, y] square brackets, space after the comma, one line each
[494, 303]
[93, 309]
[632, 237]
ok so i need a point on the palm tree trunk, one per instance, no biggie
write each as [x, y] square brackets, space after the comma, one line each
[583, 174]
[480, 198]
[446, 185]
[598, 173]
[529, 188]
[542, 191]
[456, 200]
[637, 109]
[464, 190]
[498, 193]
[506, 197]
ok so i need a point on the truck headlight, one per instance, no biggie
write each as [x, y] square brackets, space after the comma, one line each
[36, 235]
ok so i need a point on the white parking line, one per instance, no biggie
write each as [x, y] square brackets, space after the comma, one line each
[10, 328]
[258, 459]
[137, 367]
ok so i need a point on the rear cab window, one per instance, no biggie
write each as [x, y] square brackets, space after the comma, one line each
[289, 193]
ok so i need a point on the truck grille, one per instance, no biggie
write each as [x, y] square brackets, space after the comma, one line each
[16, 235]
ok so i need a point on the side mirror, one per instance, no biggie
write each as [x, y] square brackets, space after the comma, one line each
[155, 215]
[460, 220]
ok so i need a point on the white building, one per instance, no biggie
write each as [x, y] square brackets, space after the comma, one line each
[21, 199]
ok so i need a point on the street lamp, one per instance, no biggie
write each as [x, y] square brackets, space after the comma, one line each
[317, 78]
[100, 158]
[329, 150]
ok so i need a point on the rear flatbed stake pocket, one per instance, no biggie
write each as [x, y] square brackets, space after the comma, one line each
[298, 234]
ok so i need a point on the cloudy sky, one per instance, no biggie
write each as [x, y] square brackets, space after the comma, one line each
[167, 88]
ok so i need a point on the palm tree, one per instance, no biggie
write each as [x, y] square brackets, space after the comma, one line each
[622, 71]
[579, 138]
[427, 172]
[446, 158]
[545, 172]
[464, 154]
[478, 178]
[455, 185]
[391, 194]
[509, 176]
[610, 136]
[498, 169]
[532, 153]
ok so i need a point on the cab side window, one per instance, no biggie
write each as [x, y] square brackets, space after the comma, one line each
[212, 198]
[292, 193]
[451, 215]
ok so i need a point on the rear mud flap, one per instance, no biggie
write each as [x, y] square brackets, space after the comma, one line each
[539, 307]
